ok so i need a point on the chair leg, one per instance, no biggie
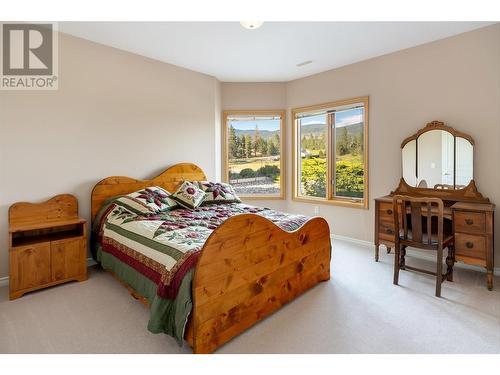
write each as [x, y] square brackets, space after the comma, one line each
[402, 261]
[439, 271]
[388, 250]
[397, 248]
[376, 252]
[450, 261]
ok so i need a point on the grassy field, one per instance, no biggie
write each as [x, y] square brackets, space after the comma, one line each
[356, 159]
[236, 165]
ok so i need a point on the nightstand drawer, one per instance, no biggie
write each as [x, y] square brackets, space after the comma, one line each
[470, 222]
[470, 245]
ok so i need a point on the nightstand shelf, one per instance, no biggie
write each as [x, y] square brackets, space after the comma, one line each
[47, 244]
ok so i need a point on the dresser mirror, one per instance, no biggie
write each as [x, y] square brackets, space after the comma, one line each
[438, 157]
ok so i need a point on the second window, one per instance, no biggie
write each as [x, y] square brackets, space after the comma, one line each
[331, 153]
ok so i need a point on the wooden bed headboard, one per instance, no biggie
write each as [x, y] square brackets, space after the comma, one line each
[169, 179]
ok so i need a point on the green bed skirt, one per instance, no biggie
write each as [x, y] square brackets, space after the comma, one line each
[166, 315]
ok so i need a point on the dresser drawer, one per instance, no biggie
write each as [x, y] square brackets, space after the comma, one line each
[385, 211]
[470, 245]
[386, 230]
[470, 222]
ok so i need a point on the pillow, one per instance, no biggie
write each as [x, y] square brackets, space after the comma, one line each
[218, 192]
[189, 195]
[151, 199]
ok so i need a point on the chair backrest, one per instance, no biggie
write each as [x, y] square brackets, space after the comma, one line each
[418, 208]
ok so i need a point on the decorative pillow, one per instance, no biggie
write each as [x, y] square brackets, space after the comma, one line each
[189, 195]
[151, 199]
[218, 192]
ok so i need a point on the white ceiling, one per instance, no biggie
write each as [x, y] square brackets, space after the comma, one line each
[271, 53]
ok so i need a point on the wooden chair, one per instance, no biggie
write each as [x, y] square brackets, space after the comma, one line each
[421, 210]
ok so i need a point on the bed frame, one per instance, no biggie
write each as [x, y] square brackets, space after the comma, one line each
[248, 268]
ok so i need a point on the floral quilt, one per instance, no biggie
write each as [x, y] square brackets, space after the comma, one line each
[164, 246]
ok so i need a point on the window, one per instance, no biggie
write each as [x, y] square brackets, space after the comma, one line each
[330, 143]
[252, 153]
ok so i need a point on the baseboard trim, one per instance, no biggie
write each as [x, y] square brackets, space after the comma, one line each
[4, 281]
[413, 253]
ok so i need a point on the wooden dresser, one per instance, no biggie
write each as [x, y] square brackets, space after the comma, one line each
[471, 225]
[47, 244]
[438, 161]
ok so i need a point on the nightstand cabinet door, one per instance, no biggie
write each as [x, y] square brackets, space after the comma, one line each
[32, 258]
[67, 258]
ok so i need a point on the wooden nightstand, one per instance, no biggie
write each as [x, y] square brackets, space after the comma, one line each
[47, 244]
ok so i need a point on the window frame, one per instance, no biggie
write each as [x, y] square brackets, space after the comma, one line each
[225, 155]
[330, 155]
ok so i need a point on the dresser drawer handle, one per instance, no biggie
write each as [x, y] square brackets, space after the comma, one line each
[469, 245]
[469, 221]
[389, 212]
[389, 231]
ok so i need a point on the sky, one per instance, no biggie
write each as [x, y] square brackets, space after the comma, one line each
[270, 125]
[342, 118]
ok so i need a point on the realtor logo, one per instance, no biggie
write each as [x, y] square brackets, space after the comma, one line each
[29, 56]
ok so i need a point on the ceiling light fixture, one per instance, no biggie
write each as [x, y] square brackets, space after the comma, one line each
[251, 25]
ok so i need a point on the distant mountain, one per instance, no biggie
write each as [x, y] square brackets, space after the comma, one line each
[313, 129]
[309, 129]
[265, 134]
[316, 129]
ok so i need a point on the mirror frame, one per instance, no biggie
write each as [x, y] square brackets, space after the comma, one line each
[438, 125]
[468, 193]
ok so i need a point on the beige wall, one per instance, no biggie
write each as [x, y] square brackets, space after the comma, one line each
[456, 80]
[115, 113]
[253, 95]
[248, 96]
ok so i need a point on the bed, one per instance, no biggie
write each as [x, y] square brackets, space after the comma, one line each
[225, 277]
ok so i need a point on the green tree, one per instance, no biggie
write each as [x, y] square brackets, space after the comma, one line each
[276, 140]
[256, 137]
[233, 142]
[263, 147]
[343, 142]
[272, 148]
[248, 146]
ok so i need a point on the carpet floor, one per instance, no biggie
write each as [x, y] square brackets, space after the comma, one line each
[358, 311]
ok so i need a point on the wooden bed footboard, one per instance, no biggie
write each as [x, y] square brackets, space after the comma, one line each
[248, 269]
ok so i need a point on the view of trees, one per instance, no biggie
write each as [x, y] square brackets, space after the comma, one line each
[349, 144]
[254, 160]
[247, 146]
[349, 176]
